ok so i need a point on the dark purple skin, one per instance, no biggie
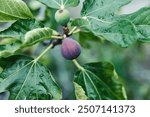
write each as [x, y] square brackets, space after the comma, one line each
[70, 49]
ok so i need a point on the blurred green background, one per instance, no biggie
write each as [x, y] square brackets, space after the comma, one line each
[132, 64]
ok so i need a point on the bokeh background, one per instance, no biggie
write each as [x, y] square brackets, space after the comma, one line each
[132, 64]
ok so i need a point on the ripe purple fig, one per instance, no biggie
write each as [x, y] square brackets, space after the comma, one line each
[70, 49]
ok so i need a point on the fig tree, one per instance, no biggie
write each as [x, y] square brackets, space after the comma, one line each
[70, 49]
[62, 17]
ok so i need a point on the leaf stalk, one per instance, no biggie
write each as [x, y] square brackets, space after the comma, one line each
[57, 37]
[74, 30]
[47, 49]
[78, 65]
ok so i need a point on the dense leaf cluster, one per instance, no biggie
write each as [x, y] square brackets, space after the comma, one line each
[25, 78]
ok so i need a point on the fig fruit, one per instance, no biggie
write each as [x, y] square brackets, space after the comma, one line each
[70, 49]
[62, 17]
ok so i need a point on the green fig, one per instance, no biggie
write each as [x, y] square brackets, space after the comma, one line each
[62, 17]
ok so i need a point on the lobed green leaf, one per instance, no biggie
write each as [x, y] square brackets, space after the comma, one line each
[57, 4]
[122, 33]
[12, 38]
[9, 49]
[13, 10]
[19, 28]
[26, 79]
[37, 35]
[100, 81]
[141, 19]
[100, 18]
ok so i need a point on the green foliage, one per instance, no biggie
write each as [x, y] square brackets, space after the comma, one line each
[39, 34]
[9, 49]
[23, 33]
[13, 37]
[100, 81]
[19, 28]
[99, 17]
[14, 10]
[141, 19]
[80, 93]
[23, 77]
[85, 38]
[122, 33]
[57, 4]
[26, 79]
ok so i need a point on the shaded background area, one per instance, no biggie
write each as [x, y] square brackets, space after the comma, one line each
[132, 64]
